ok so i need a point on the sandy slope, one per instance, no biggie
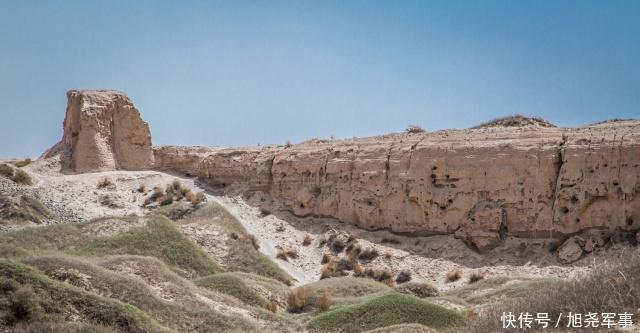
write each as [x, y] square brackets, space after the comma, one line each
[77, 198]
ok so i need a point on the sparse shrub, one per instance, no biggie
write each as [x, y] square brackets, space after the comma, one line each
[330, 270]
[306, 241]
[403, 276]
[380, 275]
[142, 188]
[282, 255]
[165, 200]
[21, 177]
[390, 241]
[297, 300]
[234, 236]
[254, 241]
[476, 276]
[24, 305]
[453, 276]
[288, 144]
[272, 306]
[418, 289]
[323, 303]
[368, 254]
[353, 248]
[195, 199]
[6, 170]
[388, 255]
[414, 129]
[264, 212]
[22, 163]
[325, 258]
[345, 264]
[105, 182]
[337, 245]
[280, 228]
[292, 253]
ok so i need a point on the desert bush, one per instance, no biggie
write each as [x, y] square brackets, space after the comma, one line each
[306, 241]
[403, 276]
[414, 129]
[292, 253]
[105, 183]
[253, 240]
[345, 264]
[325, 258]
[142, 188]
[272, 306]
[418, 289]
[390, 241]
[323, 303]
[337, 245]
[24, 305]
[288, 144]
[297, 300]
[282, 255]
[22, 163]
[476, 276]
[167, 199]
[196, 198]
[368, 254]
[264, 212]
[453, 276]
[331, 269]
[21, 177]
[6, 170]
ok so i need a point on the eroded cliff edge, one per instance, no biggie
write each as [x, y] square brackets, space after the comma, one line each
[480, 184]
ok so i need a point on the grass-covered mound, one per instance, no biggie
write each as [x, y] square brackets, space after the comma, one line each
[172, 301]
[29, 298]
[386, 310]
[343, 287]
[232, 285]
[243, 255]
[158, 238]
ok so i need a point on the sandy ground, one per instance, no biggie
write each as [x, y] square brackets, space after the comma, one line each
[77, 198]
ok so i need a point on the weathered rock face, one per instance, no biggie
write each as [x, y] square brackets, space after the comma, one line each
[480, 184]
[104, 131]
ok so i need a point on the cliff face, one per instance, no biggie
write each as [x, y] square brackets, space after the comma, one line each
[104, 131]
[478, 184]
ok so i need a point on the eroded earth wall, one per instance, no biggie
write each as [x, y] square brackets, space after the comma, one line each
[479, 184]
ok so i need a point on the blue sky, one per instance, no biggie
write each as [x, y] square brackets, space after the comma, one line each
[241, 73]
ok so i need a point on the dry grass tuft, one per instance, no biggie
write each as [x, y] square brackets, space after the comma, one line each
[297, 300]
[106, 183]
[476, 276]
[307, 240]
[6, 170]
[282, 255]
[21, 177]
[142, 188]
[453, 276]
[331, 269]
[323, 303]
[272, 306]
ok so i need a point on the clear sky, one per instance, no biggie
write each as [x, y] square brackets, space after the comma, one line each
[242, 73]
